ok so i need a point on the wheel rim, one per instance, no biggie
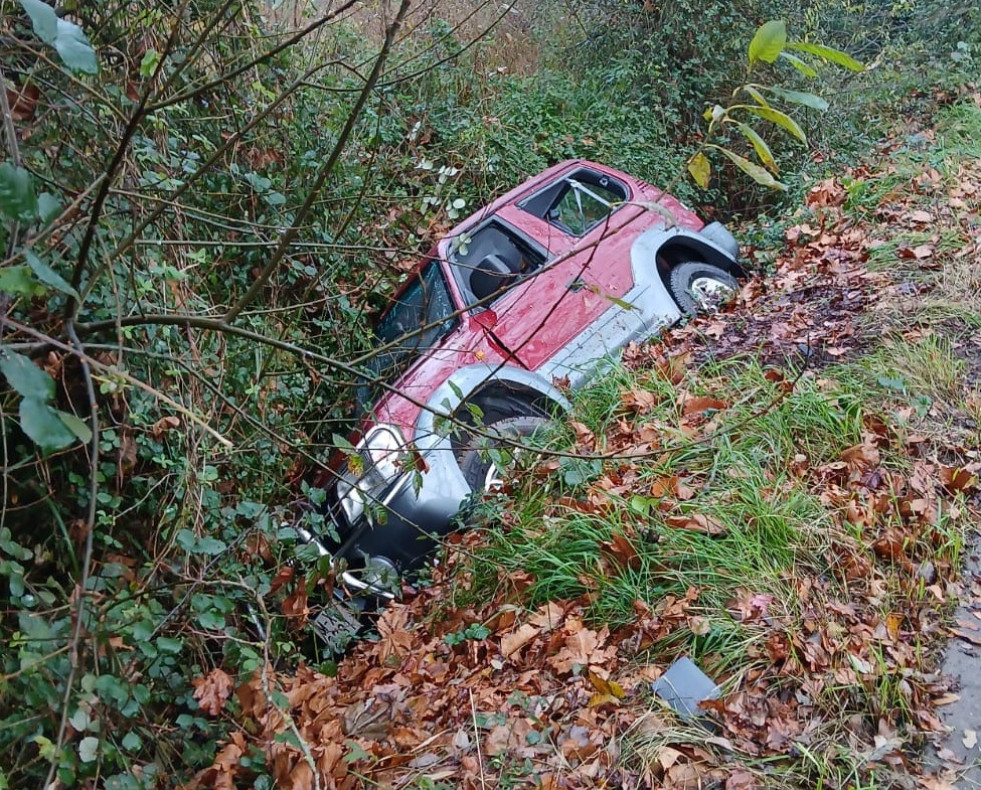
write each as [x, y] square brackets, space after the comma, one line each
[708, 293]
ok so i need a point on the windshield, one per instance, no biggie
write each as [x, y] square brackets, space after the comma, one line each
[419, 317]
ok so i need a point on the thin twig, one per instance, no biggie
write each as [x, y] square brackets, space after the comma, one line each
[476, 740]
[87, 555]
[325, 172]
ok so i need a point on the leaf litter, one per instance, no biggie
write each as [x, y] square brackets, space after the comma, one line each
[553, 699]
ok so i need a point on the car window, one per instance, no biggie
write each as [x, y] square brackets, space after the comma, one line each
[582, 207]
[419, 317]
[492, 258]
[578, 202]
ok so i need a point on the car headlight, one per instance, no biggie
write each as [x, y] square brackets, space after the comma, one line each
[378, 459]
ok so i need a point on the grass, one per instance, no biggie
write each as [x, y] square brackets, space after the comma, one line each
[739, 480]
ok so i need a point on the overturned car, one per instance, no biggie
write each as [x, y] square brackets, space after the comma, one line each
[521, 301]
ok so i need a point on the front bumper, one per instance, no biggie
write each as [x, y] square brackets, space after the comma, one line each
[406, 521]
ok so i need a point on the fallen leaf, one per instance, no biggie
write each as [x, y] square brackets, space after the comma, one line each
[698, 522]
[696, 405]
[212, 690]
[513, 642]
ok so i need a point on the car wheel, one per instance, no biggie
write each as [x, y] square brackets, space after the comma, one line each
[700, 287]
[479, 469]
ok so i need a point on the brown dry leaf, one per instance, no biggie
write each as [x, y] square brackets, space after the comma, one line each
[639, 401]
[972, 637]
[163, 425]
[212, 690]
[742, 780]
[284, 575]
[516, 640]
[959, 480]
[861, 457]
[295, 606]
[622, 552]
[698, 522]
[696, 405]
[548, 617]
[664, 486]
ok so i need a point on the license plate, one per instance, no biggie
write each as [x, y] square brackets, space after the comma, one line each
[336, 625]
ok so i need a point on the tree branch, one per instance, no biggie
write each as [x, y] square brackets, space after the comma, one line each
[325, 172]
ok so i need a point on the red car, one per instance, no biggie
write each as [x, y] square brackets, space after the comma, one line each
[520, 301]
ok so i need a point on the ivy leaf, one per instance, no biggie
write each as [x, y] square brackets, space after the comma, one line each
[27, 378]
[811, 100]
[210, 546]
[769, 41]
[801, 65]
[700, 169]
[759, 145]
[759, 174]
[88, 749]
[43, 425]
[779, 118]
[169, 644]
[828, 53]
[49, 276]
[17, 198]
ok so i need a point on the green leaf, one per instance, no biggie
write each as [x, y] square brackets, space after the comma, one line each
[76, 425]
[88, 749]
[759, 174]
[828, 53]
[132, 742]
[44, 427]
[757, 96]
[17, 198]
[211, 546]
[66, 37]
[342, 444]
[801, 65]
[19, 280]
[27, 378]
[768, 42]
[44, 19]
[779, 118]
[49, 276]
[700, 169]
[759, 145]
[48, 207]
[149, 63]
[74, 48]
[811, 100]
[168, 644]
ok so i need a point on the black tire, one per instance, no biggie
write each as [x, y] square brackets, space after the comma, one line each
[476, 462]
[689, 283]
